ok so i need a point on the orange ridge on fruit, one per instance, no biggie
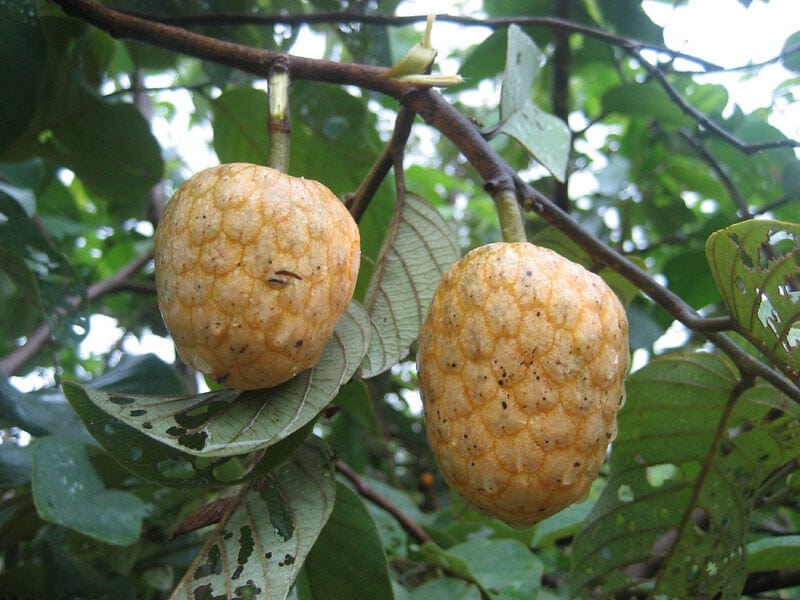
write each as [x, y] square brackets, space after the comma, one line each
[253, 270]
[521, 362]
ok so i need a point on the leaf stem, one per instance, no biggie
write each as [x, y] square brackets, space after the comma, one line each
[279, 124]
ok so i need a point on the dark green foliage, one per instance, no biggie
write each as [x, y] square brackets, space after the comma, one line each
[120, 479]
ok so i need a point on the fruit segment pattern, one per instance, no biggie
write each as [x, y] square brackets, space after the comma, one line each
[253, 270]
[522, 360]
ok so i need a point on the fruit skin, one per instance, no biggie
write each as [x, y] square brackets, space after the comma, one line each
[253, 270]
[521, 363]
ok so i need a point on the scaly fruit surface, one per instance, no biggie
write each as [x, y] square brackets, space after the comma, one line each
[253, 270]
[521, 361]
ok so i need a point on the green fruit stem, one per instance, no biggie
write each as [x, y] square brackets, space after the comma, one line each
[279, 122]
[512, 224]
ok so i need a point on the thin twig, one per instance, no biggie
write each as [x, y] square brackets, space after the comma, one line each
[703, 120]
[370, 493]
[733, 191]
[14, 361]
[358, 201]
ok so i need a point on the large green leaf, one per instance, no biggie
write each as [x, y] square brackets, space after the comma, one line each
[264, 536]
[645, 100]
[41, 272]
[775, 553]
[347, 561]
[756, 265]
[67, 491]
[691, 459]
[150, 458]
[39, 413]
[506, 567]
[240, 132]
[546, 137]
[22, 60]
[419, 246]
[108, 145]
[232, 422]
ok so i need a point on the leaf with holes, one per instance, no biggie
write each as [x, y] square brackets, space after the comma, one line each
[756, 265]
[419, 246]
[232, 422]
[266, 532]
[693, 454]
[164, 464]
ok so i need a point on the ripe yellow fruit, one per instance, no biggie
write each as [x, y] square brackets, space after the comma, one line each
[521, 361]
[253, 269]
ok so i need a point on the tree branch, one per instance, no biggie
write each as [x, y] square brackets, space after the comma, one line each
[370, 493]
[14, 361]
[701, 118]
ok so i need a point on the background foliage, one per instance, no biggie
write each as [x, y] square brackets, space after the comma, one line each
[124, 476]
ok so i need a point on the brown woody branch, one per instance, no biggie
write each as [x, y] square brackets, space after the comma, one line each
[370, 493]
[14, 361]
[439, 114]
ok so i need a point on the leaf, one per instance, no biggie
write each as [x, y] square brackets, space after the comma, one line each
[39, 413]
[791, 61]
[419, 246]
[236, 139]
[108, 145]
[67, 491]
[773, 553]
[690, 461]
[347, 561]
[263, 539]
[161, 463]
[644, 100]
[756, 265]
[232, 422]
[504, 567]
[523, 62]
[546, 137]
[22, 60]
[42, 273]
[15, 464]
[446, 587]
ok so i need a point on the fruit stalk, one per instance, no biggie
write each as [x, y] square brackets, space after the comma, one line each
[512, 224]
[279, 124]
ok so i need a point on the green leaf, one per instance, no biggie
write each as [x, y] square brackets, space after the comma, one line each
[39, 413]
[504, 567]
[108, 145]
[791, 61]
[67, 491]
[690, 461]
[485, 60]
[22, 61]
[240, 132]
[41, 272]
[756, 265]
[773, 553]
[347, 561]
[164, 464]
[266, 533]
[15, 464]
[562, 524]
[140, 374]
[689, 277]
[546, 137]
[644, 100]
[419, 246]
[232, 422]
[446, 587]
[523, 62]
